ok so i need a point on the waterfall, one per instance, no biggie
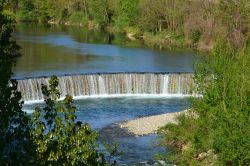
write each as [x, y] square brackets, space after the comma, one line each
[111, 84]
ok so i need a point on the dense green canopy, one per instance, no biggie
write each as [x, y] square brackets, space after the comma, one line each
[177, 22]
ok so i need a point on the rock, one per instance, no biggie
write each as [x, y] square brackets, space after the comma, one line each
[204, 155]
[151, 162]
[131, 36]
[161, 162]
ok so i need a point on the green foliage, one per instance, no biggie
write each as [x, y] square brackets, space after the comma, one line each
[178, 137]
[127, 12]
[25, 16]
[197, 23]
[58, 138]
[196, 35]
[236, 15]
[161, 15]
[78, 18]
[42, 7]
[26, 11]
[113, 151]
[221, 116]
[14, 130]
[99, 12]
[51, 136]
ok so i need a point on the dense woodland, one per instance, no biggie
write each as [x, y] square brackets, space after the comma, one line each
[180, 23]
[216, 130]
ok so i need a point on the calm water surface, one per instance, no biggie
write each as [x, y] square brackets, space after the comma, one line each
[65, 50]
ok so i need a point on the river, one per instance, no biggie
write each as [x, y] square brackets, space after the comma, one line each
[55, 50]
[51, 50]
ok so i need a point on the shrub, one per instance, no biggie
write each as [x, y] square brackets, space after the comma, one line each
[222, 125]
[14, 129]
[78, 18]
[196, 35]
[58, 138]
[26, 16]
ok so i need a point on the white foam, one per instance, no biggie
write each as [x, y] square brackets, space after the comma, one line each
[111, 85]
[28, 111]
[121, 96]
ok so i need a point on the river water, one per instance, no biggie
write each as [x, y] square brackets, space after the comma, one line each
[49, 50]
[102, 112]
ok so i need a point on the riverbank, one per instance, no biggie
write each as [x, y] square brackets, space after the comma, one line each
[149, 125]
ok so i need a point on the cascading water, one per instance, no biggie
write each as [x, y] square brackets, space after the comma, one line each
[111, 84]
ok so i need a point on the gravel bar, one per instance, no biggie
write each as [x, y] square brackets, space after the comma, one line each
[149, 125]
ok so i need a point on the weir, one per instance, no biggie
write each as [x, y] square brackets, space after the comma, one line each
[106, 84]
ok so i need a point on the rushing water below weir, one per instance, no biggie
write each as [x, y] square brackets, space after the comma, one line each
[100, 112]
[67, 50]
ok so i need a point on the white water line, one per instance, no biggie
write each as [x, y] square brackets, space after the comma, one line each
[138, 96]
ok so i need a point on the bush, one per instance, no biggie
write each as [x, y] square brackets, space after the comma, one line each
[26, 16]
[14, 129]
[58, 138]
[225, 107]
[222, 125]
[78, 18]
[196, 35]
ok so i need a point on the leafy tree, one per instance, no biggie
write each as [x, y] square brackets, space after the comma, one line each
[42, 7]
[52, 136]
[193, 23]
[99, 11]
[235, 16]
[27, 11]
[59, 139]
[127, 12]
[14, 130]
[13, 5]
[161, 14]
[203, 24]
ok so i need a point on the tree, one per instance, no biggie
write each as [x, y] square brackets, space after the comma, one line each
[100, 12]
[203, 23]
[127, 12]
[52, 136]
[13, 5]
[236, 18]
[27, 11]
[161, 14]
[42, 7]
[14, 130]
[58, 138]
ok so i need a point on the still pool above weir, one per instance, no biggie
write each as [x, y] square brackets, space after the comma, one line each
[71, 50]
